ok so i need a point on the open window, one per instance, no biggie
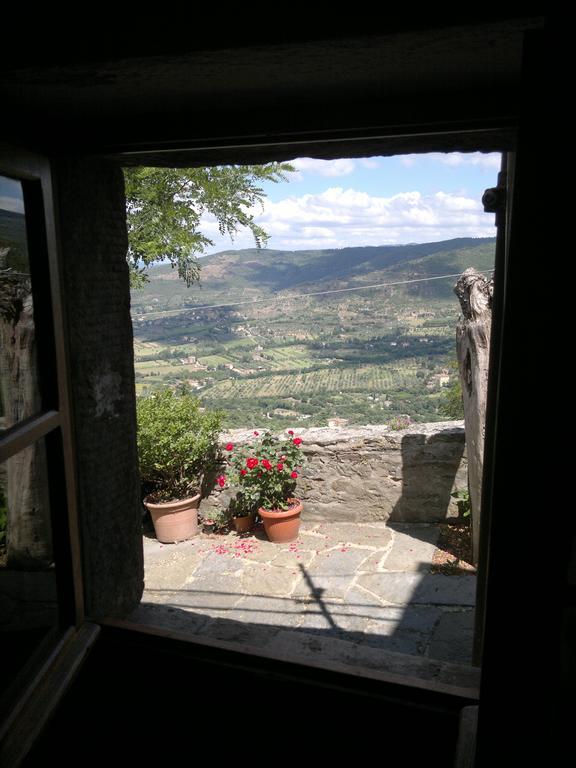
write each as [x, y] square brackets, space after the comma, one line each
[298, 337]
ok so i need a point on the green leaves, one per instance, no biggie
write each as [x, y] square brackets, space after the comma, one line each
[262, 472]
[177, 442]
[164, 207]
[462, 497]
[452, 405]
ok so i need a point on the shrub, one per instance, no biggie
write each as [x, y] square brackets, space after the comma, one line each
[177, 443]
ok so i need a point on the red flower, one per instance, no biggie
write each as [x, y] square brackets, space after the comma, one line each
[297, 440]
[256, 433]
[221, 480]
[294, 475]
[266, 464]
[290, 431]
[279, 466]
[229, 447]
[243, 471]
[251, 463]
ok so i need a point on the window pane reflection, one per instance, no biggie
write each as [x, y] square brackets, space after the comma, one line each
[28, 601]
[19, 392]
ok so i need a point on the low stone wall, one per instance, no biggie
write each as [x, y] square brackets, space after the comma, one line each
[373, 473]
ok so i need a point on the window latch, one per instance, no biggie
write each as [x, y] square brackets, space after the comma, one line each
[494, 199]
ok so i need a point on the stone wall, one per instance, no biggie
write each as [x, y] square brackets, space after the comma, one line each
[371, 473]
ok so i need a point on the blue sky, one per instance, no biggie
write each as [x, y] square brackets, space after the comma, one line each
[11, 195]
[366, 201]
[374, 201]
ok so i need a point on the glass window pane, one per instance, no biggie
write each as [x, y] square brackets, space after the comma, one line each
[28, 599]
[19, 391]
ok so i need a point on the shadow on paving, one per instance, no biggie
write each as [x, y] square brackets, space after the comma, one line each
[431, 618]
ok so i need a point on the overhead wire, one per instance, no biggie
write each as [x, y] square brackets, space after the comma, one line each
[275, 299]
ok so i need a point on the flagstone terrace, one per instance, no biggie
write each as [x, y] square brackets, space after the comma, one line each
[357, 587]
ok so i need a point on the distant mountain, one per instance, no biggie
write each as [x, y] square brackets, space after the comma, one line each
[251, 272]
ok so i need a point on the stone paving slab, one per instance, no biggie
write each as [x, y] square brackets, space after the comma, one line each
[421, 588]
[367, 586]
[413, 546]
[453, 636]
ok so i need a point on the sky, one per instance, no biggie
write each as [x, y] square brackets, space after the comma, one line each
[373, 201]
[361, 201]
[11, 195]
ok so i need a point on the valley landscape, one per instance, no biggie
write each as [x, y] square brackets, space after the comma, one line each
[249, 341]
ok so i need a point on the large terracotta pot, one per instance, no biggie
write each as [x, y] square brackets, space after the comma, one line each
[282, 525]
[175, 520]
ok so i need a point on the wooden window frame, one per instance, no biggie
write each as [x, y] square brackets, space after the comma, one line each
[40, 684]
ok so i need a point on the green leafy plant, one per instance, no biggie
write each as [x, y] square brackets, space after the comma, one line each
[462, 502]
[452, 405]
[264, 472]
[165, 206]
[178, 443]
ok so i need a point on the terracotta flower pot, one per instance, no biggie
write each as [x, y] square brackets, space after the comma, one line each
[282, 525]
[175, 520]
[243, 524]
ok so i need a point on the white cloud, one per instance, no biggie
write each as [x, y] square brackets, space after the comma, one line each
[479, 159]
[338, 217]
[370, 163]
[13, 204]
[326, 168]
[489, 161]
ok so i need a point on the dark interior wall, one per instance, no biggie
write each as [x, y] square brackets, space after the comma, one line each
[384, 78]
[93, 238]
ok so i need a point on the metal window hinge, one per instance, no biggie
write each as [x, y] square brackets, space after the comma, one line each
[494, 199]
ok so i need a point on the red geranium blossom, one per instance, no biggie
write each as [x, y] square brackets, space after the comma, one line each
[229, 447]
[221, 480]
[264, 471]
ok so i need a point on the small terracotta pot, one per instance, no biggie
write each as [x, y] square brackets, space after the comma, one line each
[243, 524]
[174, 520]
[282, 525]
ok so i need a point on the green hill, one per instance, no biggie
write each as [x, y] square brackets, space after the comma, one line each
[366, 355]
[253, 273]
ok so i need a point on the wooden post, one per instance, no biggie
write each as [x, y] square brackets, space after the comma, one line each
[28, 530]
[474, 292]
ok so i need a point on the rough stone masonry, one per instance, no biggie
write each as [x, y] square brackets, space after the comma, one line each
[373, 473]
